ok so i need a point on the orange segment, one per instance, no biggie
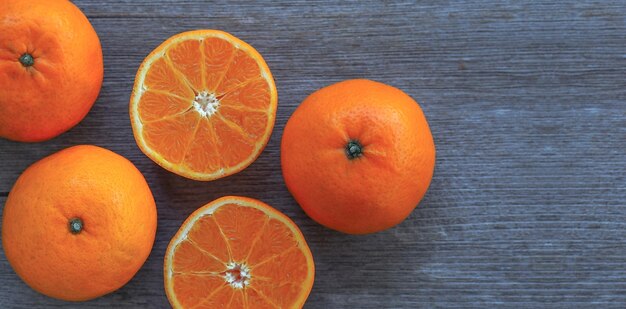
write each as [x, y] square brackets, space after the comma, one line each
[194, 289]
[207, 235]
[275, 239]
[218, 55]
[252, 122]
[203, 105]
[203, 154]
[242, 68]
[153, 106]
[220, 299]
[171, 136]
[184, 57]
[254, 95]
[161, 77]
[193, 260]
[235, 145]
[290, 266]
[237, 301]
[257, 300]
[240, 226]
[267, 261]
[280, 294]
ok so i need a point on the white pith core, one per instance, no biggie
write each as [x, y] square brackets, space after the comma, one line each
[206, 103]
[237, 275]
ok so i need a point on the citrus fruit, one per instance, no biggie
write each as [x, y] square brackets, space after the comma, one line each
[203, 104]
[50, 68]
[79, 224]
[358, 156]
[237, 252]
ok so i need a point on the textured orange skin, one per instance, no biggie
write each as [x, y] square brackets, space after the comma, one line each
[114, 201]
[53, 95]
[375, 191]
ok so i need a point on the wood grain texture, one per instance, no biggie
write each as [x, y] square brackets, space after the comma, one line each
[527, 104]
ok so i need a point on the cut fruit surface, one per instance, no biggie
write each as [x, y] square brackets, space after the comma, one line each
[203, 104]
[237, 252]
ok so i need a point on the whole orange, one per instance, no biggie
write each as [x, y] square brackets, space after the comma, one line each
[358, 156]
[50, 68]
[79, 224]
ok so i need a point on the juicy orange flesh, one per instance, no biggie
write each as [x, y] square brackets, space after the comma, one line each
[244, 235]
[174, 129]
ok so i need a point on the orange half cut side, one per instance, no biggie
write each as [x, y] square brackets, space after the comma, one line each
[237, 252]
[203, 105]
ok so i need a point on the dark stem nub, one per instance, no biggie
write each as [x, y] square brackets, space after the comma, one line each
[27, 60]
[354, 149]
[76, 225]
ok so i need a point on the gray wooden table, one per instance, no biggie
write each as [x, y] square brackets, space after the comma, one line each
[527, 105]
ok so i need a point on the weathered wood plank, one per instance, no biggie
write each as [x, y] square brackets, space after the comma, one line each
[527, 104]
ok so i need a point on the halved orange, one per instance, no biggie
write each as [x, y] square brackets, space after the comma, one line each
[203, 104]
[237, 252]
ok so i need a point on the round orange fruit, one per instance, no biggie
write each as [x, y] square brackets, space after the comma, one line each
[50, 68]
[203, 104]
[358, 156]
[237, 252]
[79, 224]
